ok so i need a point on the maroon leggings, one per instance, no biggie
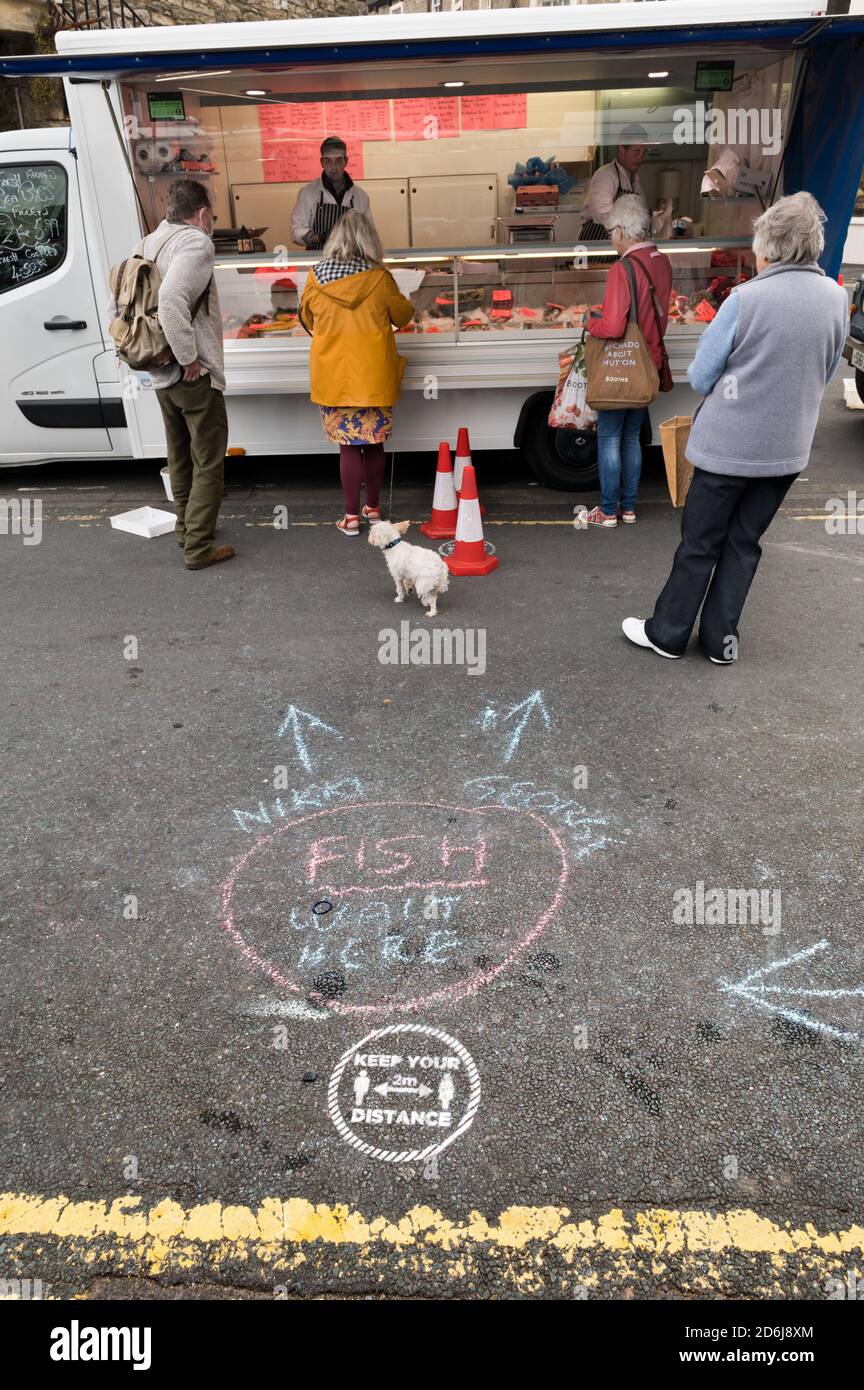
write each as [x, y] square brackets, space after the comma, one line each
[359, 463]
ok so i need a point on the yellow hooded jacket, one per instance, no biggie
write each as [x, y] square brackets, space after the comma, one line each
[353, 360]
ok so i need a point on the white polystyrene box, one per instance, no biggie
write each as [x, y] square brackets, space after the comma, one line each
[145, 521]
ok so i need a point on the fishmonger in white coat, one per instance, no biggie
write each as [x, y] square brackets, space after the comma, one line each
[320, 204]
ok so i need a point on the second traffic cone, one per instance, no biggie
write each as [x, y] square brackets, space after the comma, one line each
[469, 553]
[442, 524]
[463, 456]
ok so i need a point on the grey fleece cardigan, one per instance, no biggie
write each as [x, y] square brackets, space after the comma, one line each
[186, 267]
[762, 366]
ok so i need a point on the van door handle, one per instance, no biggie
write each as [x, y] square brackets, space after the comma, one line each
[53, 324]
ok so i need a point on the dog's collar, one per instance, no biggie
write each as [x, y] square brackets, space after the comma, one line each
[390, 544]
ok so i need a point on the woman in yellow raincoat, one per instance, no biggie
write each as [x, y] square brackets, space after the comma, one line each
[350, 306]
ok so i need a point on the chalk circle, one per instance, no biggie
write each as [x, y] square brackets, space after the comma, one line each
[404, 1155]
[323, 905]
[452, 992]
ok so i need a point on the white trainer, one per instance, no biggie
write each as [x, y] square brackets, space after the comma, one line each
[634, 631]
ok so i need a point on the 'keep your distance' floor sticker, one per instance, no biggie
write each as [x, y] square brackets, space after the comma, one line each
[404, 1093]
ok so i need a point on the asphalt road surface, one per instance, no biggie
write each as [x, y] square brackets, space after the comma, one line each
[235, 844]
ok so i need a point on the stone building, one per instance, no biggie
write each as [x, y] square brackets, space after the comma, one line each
[29, 26]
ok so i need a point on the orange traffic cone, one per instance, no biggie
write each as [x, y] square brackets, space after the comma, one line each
[463, 456]
[469, 553]
[442, 524]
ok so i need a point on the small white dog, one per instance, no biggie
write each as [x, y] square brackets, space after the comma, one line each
[411, 566]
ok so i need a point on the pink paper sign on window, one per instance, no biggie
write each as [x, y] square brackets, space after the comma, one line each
[361, 120]
[426, 118]
[502, 111]
[292, 118]
[511, 111]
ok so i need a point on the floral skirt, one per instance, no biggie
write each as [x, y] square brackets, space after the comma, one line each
[357, 424]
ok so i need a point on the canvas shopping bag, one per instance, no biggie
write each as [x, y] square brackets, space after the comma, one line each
[621, 371]
[570, 409]
[674, 435]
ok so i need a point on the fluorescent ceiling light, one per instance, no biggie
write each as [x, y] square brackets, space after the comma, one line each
[658, 74]
[179, 76]
[257, 92]
[452, 84]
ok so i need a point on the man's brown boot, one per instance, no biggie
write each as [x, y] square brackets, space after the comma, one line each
[216, 556]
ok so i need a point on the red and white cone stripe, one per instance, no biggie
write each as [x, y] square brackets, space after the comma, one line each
[462, 461]
[469, 553]
[442, 524]
[463, 456]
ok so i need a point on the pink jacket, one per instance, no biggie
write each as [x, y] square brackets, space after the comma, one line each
[616, 303]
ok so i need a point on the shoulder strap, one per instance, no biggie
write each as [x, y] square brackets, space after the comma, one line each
[203, 298]
[633, 312]
[654, 303]
[161, 247]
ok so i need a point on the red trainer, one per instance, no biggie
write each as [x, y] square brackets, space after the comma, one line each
[597, 518]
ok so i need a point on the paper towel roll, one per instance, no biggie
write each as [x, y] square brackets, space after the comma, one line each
[153, 154]
[166, 150]
[145, 154]
[670, 184]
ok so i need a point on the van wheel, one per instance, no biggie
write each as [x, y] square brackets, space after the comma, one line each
[562, 459]
[859, 383]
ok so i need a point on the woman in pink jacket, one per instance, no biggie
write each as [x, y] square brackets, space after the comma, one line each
[619, 454]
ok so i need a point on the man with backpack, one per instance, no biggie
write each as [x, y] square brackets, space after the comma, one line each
[189, 387]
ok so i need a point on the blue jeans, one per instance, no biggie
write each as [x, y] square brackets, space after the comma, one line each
[619, 458]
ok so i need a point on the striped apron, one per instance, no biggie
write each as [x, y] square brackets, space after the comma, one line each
[595, 231]
[327, 215]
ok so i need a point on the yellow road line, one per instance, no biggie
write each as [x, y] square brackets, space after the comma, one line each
[511, 521]
[525, 1247]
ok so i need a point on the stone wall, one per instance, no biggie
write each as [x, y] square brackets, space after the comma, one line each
[25, 27]
[227, 12]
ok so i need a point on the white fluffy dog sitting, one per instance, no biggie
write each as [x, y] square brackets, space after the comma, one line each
[411, 566]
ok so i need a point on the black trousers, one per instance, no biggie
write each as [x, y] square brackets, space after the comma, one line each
[723, 519]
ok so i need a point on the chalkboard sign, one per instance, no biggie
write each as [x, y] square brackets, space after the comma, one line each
[32, 222]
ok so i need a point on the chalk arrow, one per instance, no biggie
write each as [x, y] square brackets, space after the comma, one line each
[385, 1089]
[519, 715]
[756, 992]
[293, 722]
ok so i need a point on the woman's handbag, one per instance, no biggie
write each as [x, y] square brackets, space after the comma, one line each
[621, 371]
[570, 410]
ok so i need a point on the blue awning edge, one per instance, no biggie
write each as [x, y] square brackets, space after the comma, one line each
[782, 32]
[825, 149]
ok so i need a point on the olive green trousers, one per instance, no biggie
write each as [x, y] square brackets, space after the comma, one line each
[196, 434]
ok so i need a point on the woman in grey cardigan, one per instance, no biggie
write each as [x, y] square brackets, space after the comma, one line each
[762, 366]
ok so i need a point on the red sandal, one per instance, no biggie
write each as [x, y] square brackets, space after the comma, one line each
[371, 515]
[349, 525]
